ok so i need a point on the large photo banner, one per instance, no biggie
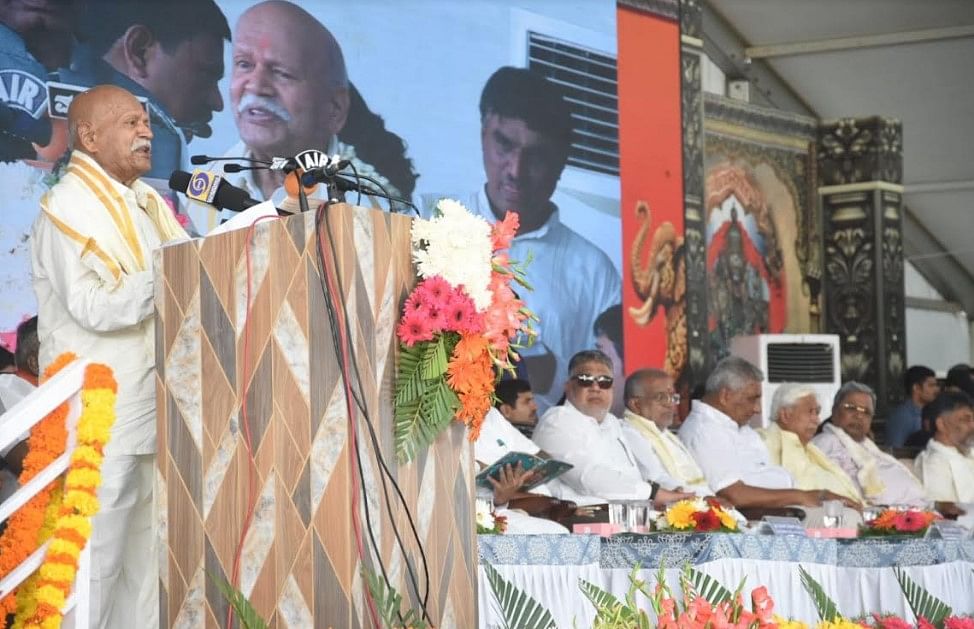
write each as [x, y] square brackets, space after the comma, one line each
[501, 104]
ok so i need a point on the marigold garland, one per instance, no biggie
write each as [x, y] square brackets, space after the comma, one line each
[73, 528]
[45, 444]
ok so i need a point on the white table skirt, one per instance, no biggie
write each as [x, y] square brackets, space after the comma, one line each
[856, 590]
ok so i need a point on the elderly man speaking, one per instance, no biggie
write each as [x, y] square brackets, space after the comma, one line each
[90, 249]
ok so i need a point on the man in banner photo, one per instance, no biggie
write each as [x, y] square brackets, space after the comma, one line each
[91, 248]
[289, 92]
[525, 134]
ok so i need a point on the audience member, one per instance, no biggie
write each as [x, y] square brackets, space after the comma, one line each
[14, 387]
[584, 433]
[731, 454]
[7, 364]
[651, 407]
[920, 384]
[795, 414]
[497, 438]
[880, 478]
[959, 378]
[946, 466]
[515, 401]
[918, 440]
[608, 340]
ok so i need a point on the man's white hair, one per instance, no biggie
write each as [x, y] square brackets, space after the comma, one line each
[787, 395]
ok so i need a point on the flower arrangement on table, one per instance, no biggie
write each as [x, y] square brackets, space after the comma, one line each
[913, 522]
[488, 522]
[459, 323]
[696, 515]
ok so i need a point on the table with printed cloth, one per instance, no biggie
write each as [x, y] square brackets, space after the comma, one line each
[856, 573]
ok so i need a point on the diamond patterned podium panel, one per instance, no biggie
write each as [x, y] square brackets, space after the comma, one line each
[226, 372]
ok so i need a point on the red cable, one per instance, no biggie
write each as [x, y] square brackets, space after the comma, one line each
[248, 442]
[344, 339]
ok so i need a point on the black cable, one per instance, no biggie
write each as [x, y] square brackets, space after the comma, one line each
[336, 344]
[378, 452]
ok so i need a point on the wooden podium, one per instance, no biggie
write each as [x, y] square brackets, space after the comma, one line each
[299, 565]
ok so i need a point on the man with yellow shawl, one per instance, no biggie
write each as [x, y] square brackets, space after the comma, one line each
[651, 401]
[795, 413]
[91, 248]
[880, 478]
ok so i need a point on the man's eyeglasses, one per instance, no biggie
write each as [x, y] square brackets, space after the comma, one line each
[855, 408]
[585, 381]
[664, 398]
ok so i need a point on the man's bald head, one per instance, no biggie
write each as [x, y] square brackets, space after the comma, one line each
[112, 127]
[289, 85]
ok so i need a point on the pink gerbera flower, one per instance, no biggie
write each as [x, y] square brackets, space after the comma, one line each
[435, 291]
[414, 328]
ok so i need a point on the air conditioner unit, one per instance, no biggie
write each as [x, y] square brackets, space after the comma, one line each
[811, 359]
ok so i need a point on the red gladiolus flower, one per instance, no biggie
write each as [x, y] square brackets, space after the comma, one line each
[891, 622]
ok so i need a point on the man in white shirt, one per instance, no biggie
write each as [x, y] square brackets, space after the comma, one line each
[731, 454]
[844, 438]
[584, 433]
[946, 466]
[525, 137]
[517, 404]
[651, 404]
[497, 438]
[91, 249]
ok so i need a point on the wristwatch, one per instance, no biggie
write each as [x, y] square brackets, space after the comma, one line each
[655, 490]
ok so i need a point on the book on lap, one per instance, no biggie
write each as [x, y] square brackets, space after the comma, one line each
[546, 469]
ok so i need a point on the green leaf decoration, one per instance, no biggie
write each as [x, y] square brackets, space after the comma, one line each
[435, 359]
[827, 609]
[923, 604]
[608, 609]
[388, 603]
[519, 610]
[701, 584]
[248, 616]
[424, 402]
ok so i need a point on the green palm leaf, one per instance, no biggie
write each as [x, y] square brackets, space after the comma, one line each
[607, 607]
[520, 610]
[388, 604]
[827, 609]
[248, 616]
[923, 604]
[701, 584]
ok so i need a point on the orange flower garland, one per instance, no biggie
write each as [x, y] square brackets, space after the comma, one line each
[470, 373]
[73, 528]
[45, 444]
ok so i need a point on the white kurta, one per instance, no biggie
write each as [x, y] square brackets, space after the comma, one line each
[728, 453]
[91, 253]
[898, 484]
[605, 467]
[662, 457]
[947, 473]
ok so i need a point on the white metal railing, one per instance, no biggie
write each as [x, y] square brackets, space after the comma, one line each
[65, 385]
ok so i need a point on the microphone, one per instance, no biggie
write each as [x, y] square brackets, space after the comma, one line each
[236, 168]
[199, 160]
[210, 188]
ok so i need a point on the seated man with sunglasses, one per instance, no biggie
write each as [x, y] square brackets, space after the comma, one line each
[844, 438]
[651, 407]
[584, 433]
[732, 455]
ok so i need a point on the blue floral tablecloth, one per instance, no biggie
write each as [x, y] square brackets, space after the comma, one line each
[675, 549]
